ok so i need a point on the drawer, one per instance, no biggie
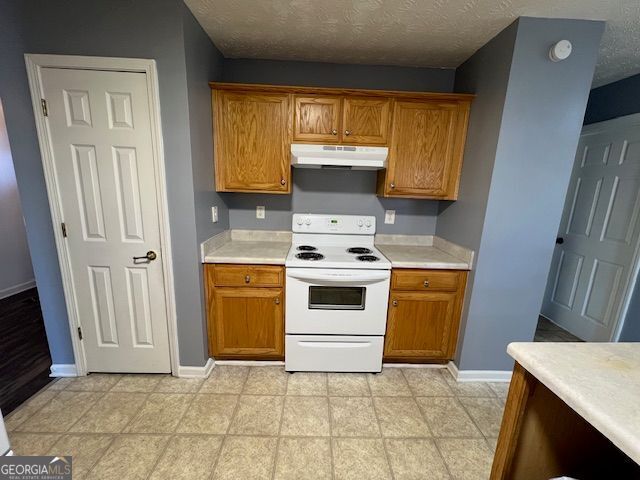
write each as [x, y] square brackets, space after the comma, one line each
[248, 276]
[425, 280]
[333, 353]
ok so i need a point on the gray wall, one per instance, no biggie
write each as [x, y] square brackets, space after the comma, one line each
[334, 191]
[203, 64]
[614, 100]
[118, 28]
[319, 74]
[16, 272]
[543, 109]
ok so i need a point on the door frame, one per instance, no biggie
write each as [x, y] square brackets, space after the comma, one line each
[634, 268]
[35, 63]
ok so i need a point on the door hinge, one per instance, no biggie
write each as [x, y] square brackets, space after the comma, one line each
[45, 110]
[64, 229]
[80, 333]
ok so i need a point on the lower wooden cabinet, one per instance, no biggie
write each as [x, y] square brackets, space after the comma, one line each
[247, 321]
[424, 315]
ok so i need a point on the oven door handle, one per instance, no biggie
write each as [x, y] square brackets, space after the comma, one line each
[341, 278]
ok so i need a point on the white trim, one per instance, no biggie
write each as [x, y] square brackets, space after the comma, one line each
[63, 370]
[413, 365]
[196, 372]
[35, 63]
[15, 289]
[478, 375]
[250, 363]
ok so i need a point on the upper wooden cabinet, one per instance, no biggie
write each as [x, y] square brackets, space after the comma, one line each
[366, 120]
[254, 126]
[252, 137]
[317, 119]
[348, 120]
[427, 145]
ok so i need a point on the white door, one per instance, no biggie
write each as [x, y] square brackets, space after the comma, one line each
[592, 267]
[99, 125]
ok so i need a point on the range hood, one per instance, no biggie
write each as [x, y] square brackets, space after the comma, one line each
[338, 156]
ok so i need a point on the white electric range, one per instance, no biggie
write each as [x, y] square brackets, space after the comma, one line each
[337, 292]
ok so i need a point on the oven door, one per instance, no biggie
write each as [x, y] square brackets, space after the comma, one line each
[336, 302]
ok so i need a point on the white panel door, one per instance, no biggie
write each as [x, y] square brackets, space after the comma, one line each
[592, 266]
[99, 124]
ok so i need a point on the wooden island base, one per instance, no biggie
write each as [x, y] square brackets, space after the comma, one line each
[541, 437]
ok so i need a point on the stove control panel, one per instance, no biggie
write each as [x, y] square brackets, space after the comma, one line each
[336, 224]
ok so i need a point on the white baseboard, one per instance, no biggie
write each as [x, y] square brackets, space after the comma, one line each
[414, 365]
[478, 375]
[15, 289]
[63, 370]
[251, 363]
[196, 372]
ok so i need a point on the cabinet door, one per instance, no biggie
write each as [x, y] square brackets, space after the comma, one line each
[247, 323]
[421, 326]
[252, 142]
[366, 120]
[316, 119]
[426, 151]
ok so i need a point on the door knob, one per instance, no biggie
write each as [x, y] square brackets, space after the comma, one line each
[559, 240]
[394, 303]
[347, 132]
[426, 283]
[247, 278]
[277, 300]
[283, 181]
[392, 185]
[150, 256]
[334, 132]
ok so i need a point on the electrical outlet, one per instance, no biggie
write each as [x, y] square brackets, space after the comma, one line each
[260, 211]
[390, 216]
[214, 214]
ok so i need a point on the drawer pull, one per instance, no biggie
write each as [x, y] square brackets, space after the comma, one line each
[247, 278]
[277, 300]
[394, 303]
[426, 283]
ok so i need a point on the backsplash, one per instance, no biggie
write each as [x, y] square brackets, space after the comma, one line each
[331, 191]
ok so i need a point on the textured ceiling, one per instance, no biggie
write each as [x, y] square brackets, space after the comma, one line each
[428, 33]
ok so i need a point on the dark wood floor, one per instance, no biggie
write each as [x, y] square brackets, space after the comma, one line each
[550, 332]
[24, 352]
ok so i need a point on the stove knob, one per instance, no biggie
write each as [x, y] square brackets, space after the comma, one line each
[299, 221]
[360, 223]
[367, 223]
[307, 221]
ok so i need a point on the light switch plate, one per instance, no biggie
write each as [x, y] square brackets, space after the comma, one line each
[390, 216]
[260, 211]
[214, 214]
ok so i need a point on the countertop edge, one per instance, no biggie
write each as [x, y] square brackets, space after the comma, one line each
[603, 423]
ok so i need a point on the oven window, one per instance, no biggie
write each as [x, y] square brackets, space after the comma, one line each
[336, 298]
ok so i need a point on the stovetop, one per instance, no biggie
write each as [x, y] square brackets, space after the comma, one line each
[336, 256]
[335, 241]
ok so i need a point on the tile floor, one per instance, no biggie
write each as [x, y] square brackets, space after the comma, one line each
[262, 423]
[547, 331]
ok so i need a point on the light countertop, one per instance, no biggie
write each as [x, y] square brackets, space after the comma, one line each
[247, 246]
[424, 251]
[600, 381]
[271, 248]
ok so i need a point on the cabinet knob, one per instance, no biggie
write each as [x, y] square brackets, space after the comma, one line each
[283, 181]
[247, 278]
[277, 300]
[347, 132]
[392, 185]
[334, 132]
[426, 283]
[394, 303]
